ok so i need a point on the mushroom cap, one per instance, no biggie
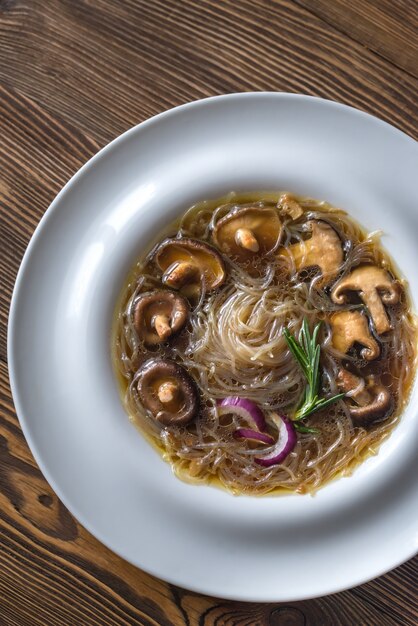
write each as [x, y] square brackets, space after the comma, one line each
[167, 306]
[323, 249]
[365, 278]
[263, 223]
[188, 262]
[375, 287]
[155, 374]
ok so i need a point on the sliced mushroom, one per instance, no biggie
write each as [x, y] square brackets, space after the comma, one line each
[168, 392]
[158, 315]
[375, 287]
[373, 399]
[349, 328]
[379, 408]
[247, 232]
[353, 386]
[324, 250]
[187, 262]
[289, 206]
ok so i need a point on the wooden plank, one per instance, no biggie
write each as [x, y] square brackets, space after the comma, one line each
[105, 65]
[388, 28]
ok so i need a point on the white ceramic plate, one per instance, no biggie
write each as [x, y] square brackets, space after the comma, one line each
[116, 485]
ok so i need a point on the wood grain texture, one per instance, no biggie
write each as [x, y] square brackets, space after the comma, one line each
[73, 74]
[106, 65]
[389, 31]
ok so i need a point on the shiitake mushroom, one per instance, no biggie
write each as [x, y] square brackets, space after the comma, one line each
[167, 391]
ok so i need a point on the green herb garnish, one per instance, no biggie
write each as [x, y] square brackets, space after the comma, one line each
[305, 429]
[307, 353]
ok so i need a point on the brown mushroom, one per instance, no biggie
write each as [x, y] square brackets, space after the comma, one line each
[375, 287]
[350, 327]
[186, 263]
[324, 250]
[289, 206]
[354, 386]
[379, 408]
[168, 392]
[158, 315]
[246, 232]
[374, 401]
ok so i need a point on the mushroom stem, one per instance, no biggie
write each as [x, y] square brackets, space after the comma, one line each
[161, 324]
[377, 312]
[179, 273]
[244, 237]
[167, 392]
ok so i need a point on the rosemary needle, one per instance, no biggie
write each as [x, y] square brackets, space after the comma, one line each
[307, 353]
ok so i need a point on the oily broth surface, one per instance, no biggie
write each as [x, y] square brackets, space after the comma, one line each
[250, 359]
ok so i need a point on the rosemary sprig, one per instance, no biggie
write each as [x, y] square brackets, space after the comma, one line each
[307, 353]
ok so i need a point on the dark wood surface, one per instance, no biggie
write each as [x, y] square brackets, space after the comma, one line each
[73, 75]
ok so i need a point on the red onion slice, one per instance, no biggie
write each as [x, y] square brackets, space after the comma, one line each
[247, 409]
[286, 441]
[253, 435]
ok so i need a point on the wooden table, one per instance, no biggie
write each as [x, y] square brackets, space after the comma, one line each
[74, 74]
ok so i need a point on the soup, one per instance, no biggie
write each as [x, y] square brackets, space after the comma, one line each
[265, 343]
